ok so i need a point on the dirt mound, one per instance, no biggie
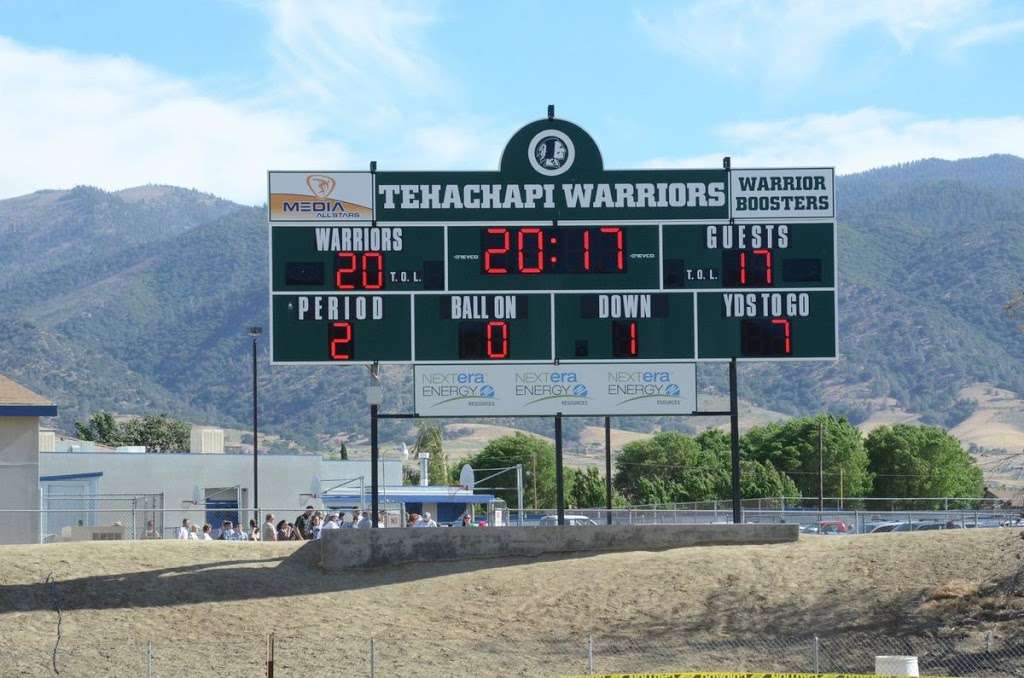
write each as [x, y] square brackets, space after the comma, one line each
[208, 607]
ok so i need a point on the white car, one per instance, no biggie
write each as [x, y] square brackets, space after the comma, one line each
[552, 521]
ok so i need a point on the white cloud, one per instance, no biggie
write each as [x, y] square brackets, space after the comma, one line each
[783, 42]
[367, 70]
[988, 33]
[353, 57]
[857, 141]
[111, 122]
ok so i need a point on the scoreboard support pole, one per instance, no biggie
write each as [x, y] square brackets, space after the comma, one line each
[374, 463]
[559, 475]
[608, 467]
[734, 426]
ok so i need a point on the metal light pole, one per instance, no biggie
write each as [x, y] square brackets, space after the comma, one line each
[255, 331]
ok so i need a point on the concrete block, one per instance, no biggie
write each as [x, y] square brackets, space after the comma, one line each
[345, 549]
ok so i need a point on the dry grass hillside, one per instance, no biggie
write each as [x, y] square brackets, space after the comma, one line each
[208, 607]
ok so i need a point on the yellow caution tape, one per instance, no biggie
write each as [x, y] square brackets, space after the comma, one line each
[730, 675]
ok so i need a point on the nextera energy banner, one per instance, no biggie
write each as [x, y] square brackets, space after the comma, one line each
[591, 389]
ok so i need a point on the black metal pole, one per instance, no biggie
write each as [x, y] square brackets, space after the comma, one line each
[374, 462]
[559, 478]
[608, 467]
[734, 425]
[255, 441]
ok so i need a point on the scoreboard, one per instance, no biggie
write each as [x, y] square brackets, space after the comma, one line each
[552, 260]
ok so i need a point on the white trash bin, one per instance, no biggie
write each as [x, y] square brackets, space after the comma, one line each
[886, 665]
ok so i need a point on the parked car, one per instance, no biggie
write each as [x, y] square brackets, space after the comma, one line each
[883, 527]
[551, 521]
[833, 527]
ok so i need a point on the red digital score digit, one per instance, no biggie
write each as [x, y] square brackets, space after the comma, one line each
[379, 258]
[342, 271]
[520, 245]
[586, 249]
[620, 255]
[786, 333]
[492, 251]
[767, 254]
[340, 345]
[497, 339]
[633, 344]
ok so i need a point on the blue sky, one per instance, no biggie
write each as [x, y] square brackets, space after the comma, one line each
[212, 94]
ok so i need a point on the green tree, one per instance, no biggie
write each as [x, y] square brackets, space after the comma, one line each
[792, 448]
[669, 467]
[921, 461]
[100, 428]
[410, 475]
[588, 489]
[534, 454]
[757, 479]
[429, 440]
[157, 433]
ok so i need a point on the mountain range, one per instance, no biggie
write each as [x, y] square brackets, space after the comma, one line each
[138, 301]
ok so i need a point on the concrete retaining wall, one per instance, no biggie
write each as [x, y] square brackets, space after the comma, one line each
[344, 549]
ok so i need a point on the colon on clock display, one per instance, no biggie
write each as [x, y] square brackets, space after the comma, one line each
[533, 250]
[553, 257]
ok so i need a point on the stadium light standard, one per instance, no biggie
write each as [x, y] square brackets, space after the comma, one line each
[255, 331]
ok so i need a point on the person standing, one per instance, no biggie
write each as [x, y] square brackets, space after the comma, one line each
[184, 529]
[315, 526]
[269, 531]
[207, 533]
[302, 522]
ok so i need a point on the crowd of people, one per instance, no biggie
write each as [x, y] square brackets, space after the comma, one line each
[308, 525]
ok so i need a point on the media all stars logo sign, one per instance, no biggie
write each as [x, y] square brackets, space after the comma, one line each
[551, 152]
[321, 185]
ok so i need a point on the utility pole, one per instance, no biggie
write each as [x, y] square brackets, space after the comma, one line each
[255, 331]
[535, 480]
[821, 467]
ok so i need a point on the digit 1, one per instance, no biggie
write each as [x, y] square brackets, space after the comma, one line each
[586, 249]
[743, 268]
[633, 339]
[620, 255]
[341, 345]
[339, 275]
[786, 333]
[502, 336]
[767, 254]
[380, 270]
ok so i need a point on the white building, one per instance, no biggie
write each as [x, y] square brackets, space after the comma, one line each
[20, 410]
[101, 488]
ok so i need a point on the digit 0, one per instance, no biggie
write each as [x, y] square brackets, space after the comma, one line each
[379, 282]
[497, 339]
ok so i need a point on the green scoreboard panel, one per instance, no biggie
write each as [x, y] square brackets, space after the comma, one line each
[631, 326]
[569, 293]
[341, 328]
[552, 258]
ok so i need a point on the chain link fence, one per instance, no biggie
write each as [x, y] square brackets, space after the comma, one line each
[416, 654]
[139, 518]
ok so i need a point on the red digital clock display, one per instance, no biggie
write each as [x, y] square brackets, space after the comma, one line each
[531, 250]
